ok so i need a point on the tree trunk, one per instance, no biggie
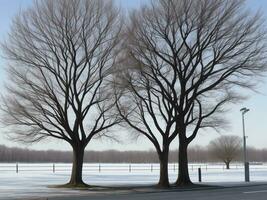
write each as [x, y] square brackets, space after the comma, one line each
[77, 166]
[227, 163]
[164, 177]
[183, 174]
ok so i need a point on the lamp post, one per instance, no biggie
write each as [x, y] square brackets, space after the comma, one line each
[246, 164]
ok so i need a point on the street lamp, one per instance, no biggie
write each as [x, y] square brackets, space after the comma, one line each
[246, 164]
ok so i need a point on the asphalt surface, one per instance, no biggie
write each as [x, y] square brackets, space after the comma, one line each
[241, 192]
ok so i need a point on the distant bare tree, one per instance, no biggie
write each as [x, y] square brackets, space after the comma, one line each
[62, 55]
[186, 61]
[226, 148]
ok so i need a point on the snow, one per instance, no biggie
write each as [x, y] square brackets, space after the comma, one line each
[32, 179]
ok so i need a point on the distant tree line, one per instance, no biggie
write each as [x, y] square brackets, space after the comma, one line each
[195, 153]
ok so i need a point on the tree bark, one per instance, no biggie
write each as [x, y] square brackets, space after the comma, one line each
[183, 174]
[164, 177]
[77, 166]
[227, 163]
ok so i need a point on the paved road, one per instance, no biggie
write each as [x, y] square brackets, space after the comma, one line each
[256, 192]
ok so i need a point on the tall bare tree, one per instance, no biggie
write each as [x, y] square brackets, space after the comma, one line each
[186, 61]
[61, 57]
[225, 148]
[143, 104]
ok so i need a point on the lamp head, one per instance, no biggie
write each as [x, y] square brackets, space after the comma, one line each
[244, 110]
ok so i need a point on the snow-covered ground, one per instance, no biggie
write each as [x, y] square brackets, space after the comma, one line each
[33, 179]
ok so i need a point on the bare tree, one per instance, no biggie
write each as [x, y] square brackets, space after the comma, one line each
[62, 55]
[143, 105]
[188, 60]
[225, 148]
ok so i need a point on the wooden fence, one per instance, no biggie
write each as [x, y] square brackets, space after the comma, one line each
[106, 167]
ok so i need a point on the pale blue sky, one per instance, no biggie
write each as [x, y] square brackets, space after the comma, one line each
[256, 119]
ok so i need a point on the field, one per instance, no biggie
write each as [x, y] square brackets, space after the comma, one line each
[25, 180]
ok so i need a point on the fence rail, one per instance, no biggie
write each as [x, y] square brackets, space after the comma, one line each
[106, 167]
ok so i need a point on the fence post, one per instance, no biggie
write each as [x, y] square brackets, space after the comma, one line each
[199, 175]
[130, 168]
[54, 168]
[99, 168]
[151, 167]
[192, 167]
[17, 168]
[174, 167]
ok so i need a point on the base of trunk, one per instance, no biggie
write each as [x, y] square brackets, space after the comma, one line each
[74, 185]
[227, 165]
[163, 185]
[183, 172]
[183, 183]
[76, 180]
